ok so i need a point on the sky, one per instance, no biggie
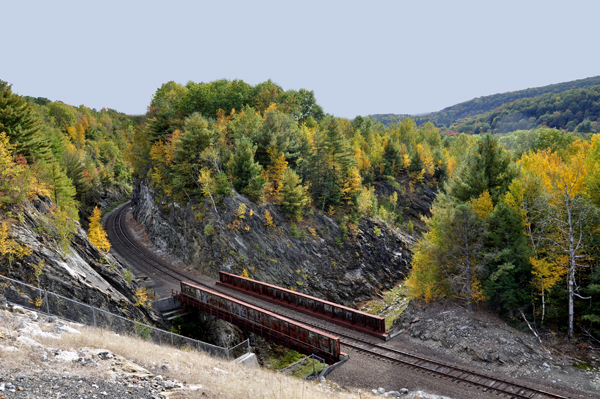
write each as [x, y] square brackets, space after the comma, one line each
[359, 57]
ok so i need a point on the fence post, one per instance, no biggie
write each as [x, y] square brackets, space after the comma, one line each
[227, 349]
[46, 299]
[171, 338]
[94, 315]
[248, 340]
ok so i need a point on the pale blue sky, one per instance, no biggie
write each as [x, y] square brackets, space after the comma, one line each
[359, 57]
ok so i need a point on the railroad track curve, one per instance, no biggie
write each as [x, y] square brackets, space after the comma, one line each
[123, 241]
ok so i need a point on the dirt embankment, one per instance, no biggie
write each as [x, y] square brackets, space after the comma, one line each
[484, 341]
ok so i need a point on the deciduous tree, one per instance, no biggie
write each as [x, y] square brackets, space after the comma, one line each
[96, 233]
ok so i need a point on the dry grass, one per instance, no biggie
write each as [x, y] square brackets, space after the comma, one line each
[224, 379]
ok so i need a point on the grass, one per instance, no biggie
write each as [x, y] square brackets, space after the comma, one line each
[391, 306]
[224, 379]
[283, 357]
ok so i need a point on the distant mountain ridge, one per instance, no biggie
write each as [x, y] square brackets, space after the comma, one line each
[445, 118]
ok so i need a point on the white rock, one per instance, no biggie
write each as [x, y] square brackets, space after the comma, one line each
[67, 329]
[67, 356]
[8, 348]
[33, 329]
[222, 371]
[28, 341]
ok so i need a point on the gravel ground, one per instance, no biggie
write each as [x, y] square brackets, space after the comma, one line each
[29, 369]
[15, 385]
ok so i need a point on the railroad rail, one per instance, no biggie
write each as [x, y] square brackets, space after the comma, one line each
[434, 368]
[269, 325]
[333, 312]
[453, 373]
[121, 239]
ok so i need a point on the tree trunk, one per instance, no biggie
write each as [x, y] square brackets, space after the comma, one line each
[571, 266]
[543, 303]
[468, 275]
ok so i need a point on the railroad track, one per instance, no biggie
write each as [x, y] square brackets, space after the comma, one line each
[434, 368]
[124, 242]
[455, 374]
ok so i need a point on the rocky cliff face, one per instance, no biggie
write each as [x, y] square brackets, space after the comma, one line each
[80, 272]
[320, 259]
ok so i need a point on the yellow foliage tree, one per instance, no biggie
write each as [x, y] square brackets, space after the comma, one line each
[17, 182]
[425, 279]
[207, 182]
[274, 173]
[545, 275]
[426, 158]
[564, 181]
[96, 233]
[482, 205]
[351, 184]
[269, 220]
[163, 153]
[11, 250]
[364, 201]
[142, 295]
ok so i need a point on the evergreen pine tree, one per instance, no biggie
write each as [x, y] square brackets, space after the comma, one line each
[279, 131]
[488, 167]
[391, 159]
[337, 145]
[197, 136]
[246, 170]
[508, 276]
[19, 122]
[63, 192]
[416, 163]
[294, 195]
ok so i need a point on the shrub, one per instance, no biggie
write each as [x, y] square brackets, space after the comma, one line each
[269, 220]
[222, 185]
[294, 232]
[410, 228]
[241, 212]
[209, 230]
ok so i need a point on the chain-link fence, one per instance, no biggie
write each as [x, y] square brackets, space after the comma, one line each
[47, 302]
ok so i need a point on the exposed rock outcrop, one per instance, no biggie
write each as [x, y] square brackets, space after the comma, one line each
[475, 337]
[80, 272]
[322, 259]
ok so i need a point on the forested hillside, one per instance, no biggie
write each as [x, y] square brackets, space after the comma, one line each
[514, 224]
[74, 155]
[572, 110]
[448, 118]
[518, 230]
[278, 146]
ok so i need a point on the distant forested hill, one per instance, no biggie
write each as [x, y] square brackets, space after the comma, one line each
[449, 116]
[572, 110]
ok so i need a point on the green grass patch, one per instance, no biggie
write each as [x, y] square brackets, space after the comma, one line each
[283, 358]
[586, 367]
[391, 306]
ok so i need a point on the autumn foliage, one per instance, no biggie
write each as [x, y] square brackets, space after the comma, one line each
[96, 233]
